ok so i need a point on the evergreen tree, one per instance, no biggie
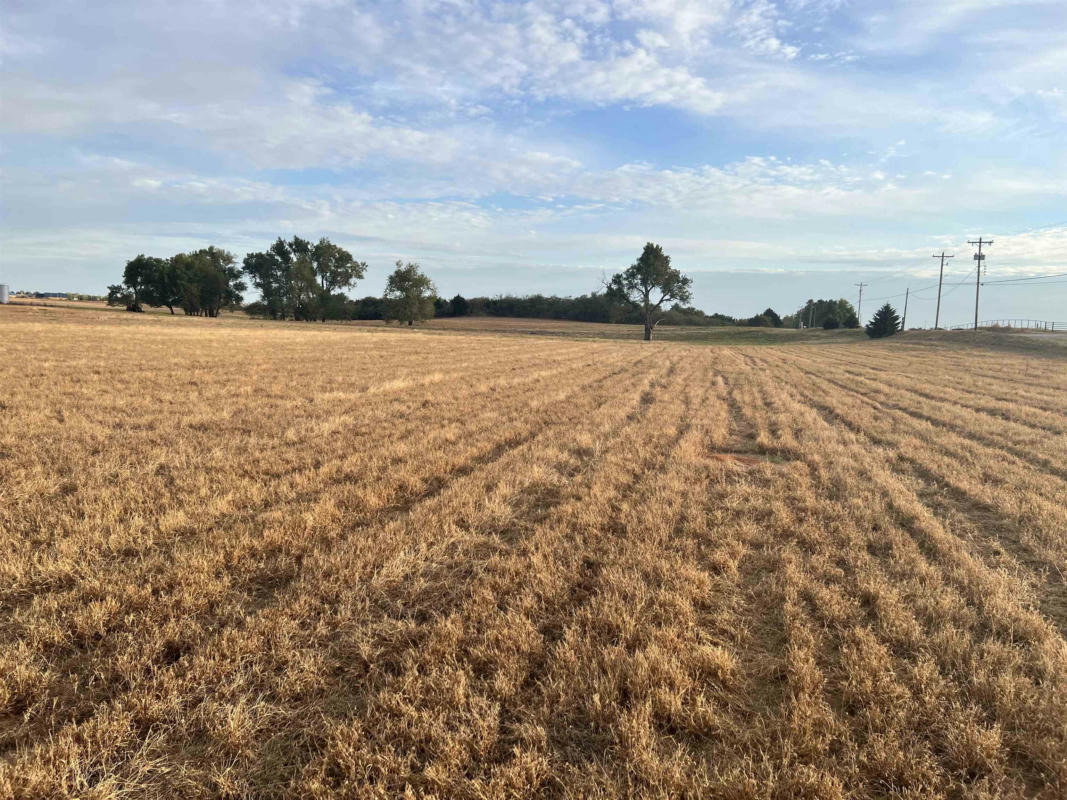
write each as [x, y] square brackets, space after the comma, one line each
[884, 323]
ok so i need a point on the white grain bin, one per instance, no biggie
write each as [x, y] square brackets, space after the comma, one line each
[3, 293]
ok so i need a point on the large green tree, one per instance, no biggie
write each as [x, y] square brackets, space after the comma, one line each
[152, 281]
[335, 267]
[304, 293]
[648, 284]
[409, 294]
[209, 281]
[815, 312]
[302, 280]
[270, 272]
[140, 276]
[885, 322]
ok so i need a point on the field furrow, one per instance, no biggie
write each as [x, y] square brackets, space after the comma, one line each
[284, 560]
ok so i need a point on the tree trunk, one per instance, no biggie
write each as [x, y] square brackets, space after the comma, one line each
[648, 331]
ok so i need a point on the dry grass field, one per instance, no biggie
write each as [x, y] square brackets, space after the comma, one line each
[285, 560]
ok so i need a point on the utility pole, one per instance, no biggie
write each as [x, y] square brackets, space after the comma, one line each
[978, 274]
[940, 278]
[904, 319]
[859, 306]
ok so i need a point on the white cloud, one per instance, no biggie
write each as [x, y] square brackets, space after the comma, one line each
[408, 116]
[684, 20]
[757, 26]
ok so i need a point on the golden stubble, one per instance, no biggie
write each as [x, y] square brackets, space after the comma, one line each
[284, 560]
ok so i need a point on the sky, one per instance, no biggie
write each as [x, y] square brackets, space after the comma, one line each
[776, 150]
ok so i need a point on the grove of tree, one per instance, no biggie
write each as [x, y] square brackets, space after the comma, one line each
[816, 313]
[201, 283]
[303, 281]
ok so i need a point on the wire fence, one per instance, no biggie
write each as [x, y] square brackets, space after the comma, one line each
[1022, 324]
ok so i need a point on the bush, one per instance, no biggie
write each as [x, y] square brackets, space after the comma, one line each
[770, 314]
[831, 322]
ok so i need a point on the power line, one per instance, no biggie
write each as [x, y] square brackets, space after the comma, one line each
[1029, 278]
[1024, 285]
[901, 294]
[964, 281]
[964, 278]
[955, 286]
[903, 273]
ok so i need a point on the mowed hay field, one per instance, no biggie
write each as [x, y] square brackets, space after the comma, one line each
[291, 560]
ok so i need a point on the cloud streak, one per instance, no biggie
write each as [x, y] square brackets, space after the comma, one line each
[746, 134]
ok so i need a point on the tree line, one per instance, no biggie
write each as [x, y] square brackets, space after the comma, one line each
[827, 314]
[296, 279]
[299, 279]
[302, 280]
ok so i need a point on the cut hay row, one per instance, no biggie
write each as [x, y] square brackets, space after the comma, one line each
[287, 561]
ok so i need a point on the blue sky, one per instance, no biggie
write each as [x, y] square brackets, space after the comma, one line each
[777, 150]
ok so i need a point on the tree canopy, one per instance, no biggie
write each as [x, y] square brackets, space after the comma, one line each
[409, 294]
[300, 280]
[201, 283]
[814, 314]
[648, 283]
[208, 281]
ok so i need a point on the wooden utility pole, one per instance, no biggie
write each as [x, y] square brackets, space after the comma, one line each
[904, 319]
[978, 274]
[859, 306]
[940, 278]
